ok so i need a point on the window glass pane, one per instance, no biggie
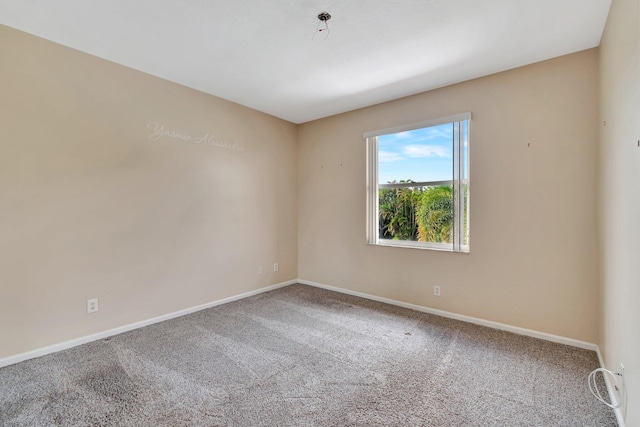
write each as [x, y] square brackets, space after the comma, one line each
[417, 155]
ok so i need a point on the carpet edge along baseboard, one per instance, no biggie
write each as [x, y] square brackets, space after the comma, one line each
[10, 360]
[54, 348]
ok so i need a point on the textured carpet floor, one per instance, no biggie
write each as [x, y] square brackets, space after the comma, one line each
[301, 356]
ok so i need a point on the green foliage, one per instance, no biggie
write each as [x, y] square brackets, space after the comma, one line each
[397, 210]
[418, 214]
[435, 214]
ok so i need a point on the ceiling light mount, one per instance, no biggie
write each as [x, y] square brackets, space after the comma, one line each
[323, 25]
[324, 16]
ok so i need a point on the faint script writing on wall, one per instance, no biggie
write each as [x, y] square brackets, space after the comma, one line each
[159, 130]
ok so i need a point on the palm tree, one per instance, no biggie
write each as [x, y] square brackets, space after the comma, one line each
[397, 213]
[435, 214]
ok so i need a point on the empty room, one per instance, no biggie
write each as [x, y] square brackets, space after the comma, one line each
[320, 213]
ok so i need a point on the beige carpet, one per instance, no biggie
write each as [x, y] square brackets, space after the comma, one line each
[301, 356]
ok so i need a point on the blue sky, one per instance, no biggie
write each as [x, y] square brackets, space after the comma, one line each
[420, 155]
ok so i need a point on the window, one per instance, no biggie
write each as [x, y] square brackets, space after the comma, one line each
[418, 185]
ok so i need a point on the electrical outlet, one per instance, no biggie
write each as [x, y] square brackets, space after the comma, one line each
[92, 305]
[260, 270]
[436, 291]
[275, 267]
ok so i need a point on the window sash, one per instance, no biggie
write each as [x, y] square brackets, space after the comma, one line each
[419, 184]
[420, 245]
[413, 126]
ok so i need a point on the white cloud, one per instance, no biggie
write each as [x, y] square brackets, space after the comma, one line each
[425, 151]
[437, 132]
[388, 157]
[403, 135]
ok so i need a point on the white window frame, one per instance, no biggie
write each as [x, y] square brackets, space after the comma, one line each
[458, 183]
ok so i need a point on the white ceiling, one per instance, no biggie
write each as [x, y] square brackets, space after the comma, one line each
[260, 53]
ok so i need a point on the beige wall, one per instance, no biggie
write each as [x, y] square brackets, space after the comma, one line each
[619, 180]
[533, 260]
[90, 207]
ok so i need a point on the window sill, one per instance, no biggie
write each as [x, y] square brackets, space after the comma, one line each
[419, 245]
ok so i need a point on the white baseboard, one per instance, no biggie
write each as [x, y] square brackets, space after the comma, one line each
[100, 335]
[495, 325]
[468, 319]
[611, 390]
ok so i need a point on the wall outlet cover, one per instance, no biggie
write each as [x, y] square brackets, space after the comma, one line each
[92, 305]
